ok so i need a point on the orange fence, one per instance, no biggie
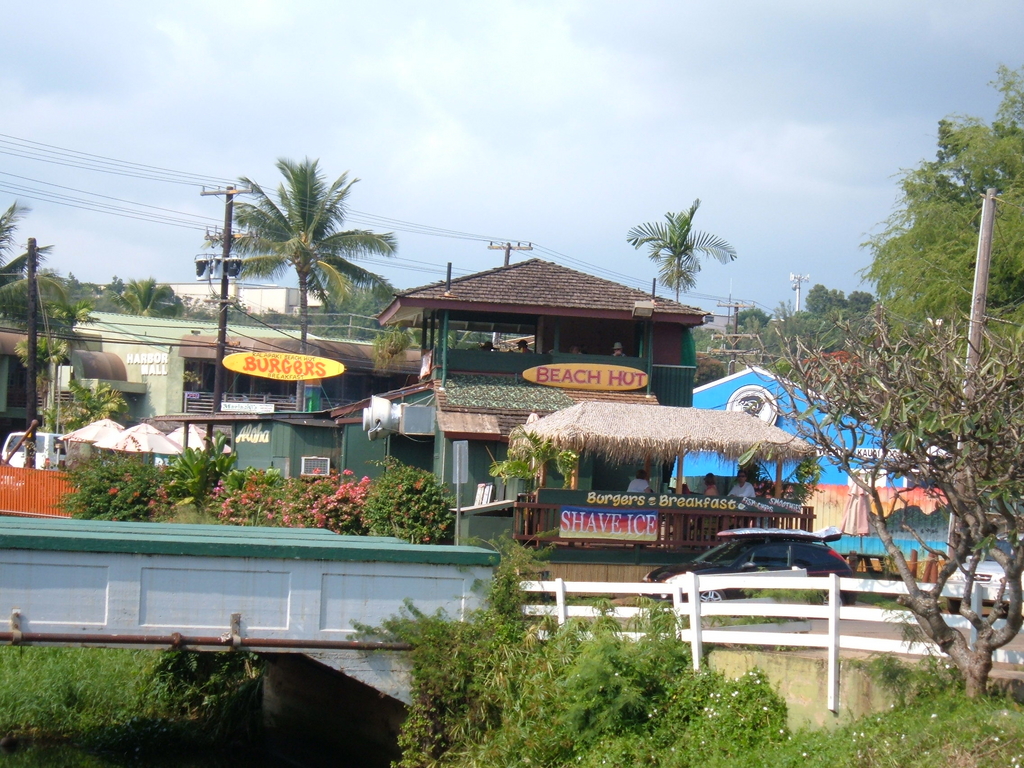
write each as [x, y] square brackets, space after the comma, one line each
[32, 492]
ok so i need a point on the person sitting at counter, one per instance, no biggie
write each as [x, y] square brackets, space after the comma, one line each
[742, 488]
[710, 485]
[640, 483]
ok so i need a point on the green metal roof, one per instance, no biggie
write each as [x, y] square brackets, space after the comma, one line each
[65, 535]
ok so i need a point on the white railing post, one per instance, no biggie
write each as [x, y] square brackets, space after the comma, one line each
[977, 605]
[563, 611]
[834, 603]
[696, 640]
[677, 607]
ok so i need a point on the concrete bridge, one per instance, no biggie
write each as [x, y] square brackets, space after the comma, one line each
[295, 595]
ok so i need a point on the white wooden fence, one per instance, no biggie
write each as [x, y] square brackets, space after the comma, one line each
[863, 629]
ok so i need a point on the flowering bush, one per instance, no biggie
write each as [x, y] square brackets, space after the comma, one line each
[411, 504]
[115, 486]
[254, 497]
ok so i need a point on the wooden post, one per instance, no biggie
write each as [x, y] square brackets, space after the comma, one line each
[778, 479]
[912, 563]
[679, 475]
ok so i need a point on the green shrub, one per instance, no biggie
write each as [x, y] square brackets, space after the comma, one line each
[501, 690]
[255, 497]
[195, 472]
[410, 504]
[115, 486]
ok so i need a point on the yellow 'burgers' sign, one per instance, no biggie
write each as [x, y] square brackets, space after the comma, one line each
[283, 366]
[587, 376]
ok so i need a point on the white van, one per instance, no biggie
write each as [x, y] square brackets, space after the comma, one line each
[49, 450]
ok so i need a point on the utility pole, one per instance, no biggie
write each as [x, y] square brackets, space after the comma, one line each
[796, 281]
[980, 296]
[222, 317]
[735, 336]
[508, 248]
[32, 401]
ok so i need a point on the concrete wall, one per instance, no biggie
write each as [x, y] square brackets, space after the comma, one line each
[801, 679]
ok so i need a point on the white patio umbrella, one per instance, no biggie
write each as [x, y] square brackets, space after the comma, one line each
[98, 430]
[196, 436]
[141, 439]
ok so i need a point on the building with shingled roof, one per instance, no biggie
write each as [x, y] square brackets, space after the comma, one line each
[570, 321]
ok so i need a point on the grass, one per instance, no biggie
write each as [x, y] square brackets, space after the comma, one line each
[947, 731]
[122, 701]
[66, 691]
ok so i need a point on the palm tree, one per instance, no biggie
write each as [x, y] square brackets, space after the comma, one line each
[13, 283]
[676, 248]
[302, 230]
[148, 299]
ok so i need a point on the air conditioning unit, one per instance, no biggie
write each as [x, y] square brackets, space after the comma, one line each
[381, 418]
[315, 465]
[416, 420]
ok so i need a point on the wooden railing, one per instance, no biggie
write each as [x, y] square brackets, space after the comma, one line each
[32, 492]
[677, 529]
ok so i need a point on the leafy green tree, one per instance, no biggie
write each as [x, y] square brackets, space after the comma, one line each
[821, 301]
[923, 259]
[752, 319]
[954, 429]
[147, 298]
[301, 229]
[677, 248]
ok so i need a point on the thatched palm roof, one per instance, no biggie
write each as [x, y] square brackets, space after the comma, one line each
[625, 433]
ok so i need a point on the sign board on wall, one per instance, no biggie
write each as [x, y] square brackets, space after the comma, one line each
[596, 376]
[283, 366]
[229, 407]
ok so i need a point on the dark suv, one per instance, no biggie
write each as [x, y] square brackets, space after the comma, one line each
[761, 549]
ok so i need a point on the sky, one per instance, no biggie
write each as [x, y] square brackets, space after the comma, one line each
[562, 124]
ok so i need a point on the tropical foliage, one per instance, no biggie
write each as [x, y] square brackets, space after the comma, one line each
[254, 497]
[147, 298]
[89, 405]
[677, 248]
[301, 228]
[529, 456]
[410, 504]
[497, 690]
[13, 283]
[195, 472]
[956, 428]
[115, 486]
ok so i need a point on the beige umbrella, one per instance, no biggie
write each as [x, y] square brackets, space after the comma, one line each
[856, 521]
[196, 436]
[626, 432]
[141, 439]
[98, 430]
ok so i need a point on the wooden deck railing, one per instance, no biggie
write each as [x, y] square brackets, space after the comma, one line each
[677, 529]
[32, 492]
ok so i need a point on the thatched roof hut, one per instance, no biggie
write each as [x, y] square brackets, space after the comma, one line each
[627, 433]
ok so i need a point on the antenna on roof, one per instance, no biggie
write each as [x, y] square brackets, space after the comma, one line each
[508, 248]
[654, 288]
[448, 280]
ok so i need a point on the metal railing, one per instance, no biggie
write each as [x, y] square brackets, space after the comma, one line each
[201, 403]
